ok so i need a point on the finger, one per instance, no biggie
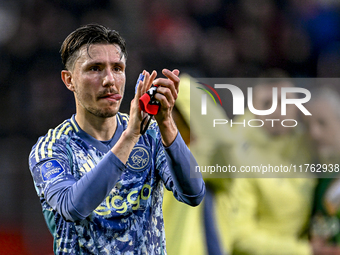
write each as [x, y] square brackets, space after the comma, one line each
[148, 80]
[134, 105]
[175, 72]
[152, 79]
[166, 83]
[145, 81]
[165, 97]
[173, 76]
[139, 90]
[172, 82]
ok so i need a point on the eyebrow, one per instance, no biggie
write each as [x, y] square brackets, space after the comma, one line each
[101, 63]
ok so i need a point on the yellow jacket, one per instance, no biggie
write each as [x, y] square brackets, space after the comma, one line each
[269, 215]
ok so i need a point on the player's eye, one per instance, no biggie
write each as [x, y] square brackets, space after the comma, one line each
[95, 68]
[118, 69]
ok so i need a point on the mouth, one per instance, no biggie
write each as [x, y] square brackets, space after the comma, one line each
[111, 97]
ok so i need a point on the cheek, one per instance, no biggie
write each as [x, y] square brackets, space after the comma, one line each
[121, 82]
[123, 89]
[84, 93]
[86, 96]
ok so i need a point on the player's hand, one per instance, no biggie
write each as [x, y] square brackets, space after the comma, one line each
[135, 112]
[167, 94]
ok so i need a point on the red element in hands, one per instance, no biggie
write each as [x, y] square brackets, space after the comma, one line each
[147, 103]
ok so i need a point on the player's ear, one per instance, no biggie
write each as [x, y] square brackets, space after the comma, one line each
[66, 76]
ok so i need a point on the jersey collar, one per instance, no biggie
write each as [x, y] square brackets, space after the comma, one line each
[103, 146]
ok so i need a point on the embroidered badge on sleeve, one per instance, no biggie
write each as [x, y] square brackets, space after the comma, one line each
[51, 169]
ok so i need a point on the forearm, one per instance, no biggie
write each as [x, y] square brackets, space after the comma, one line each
[180, 160]
[75, 200]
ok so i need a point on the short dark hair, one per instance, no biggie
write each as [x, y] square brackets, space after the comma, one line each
[87, 35]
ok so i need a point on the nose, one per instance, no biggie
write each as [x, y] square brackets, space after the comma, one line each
[109, 79]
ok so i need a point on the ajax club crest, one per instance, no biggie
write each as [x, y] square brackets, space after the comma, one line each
[139, 158]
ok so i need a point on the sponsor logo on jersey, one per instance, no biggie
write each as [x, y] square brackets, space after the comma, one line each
[139, 158]
[135, 200]
[51, 169]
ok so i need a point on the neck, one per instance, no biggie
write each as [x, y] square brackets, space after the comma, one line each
[101, 129]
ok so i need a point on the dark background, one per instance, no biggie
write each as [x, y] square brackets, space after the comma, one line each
[205, 38]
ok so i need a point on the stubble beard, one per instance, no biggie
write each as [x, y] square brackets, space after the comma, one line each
[101, 113]
[106, 112]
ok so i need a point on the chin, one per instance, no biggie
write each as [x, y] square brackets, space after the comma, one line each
[104, 113]
[109, 114]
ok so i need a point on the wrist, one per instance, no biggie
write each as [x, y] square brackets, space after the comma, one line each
[132, 136]
[124, 145]
[168, 131]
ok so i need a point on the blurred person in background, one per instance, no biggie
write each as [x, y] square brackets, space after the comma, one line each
[271, 215]
[324, 129]
[100, 182]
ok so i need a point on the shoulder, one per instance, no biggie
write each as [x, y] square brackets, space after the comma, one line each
[47, 145]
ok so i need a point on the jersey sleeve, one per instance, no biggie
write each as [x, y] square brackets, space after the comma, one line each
[49, 168]
[174, 163]
[74, 199]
